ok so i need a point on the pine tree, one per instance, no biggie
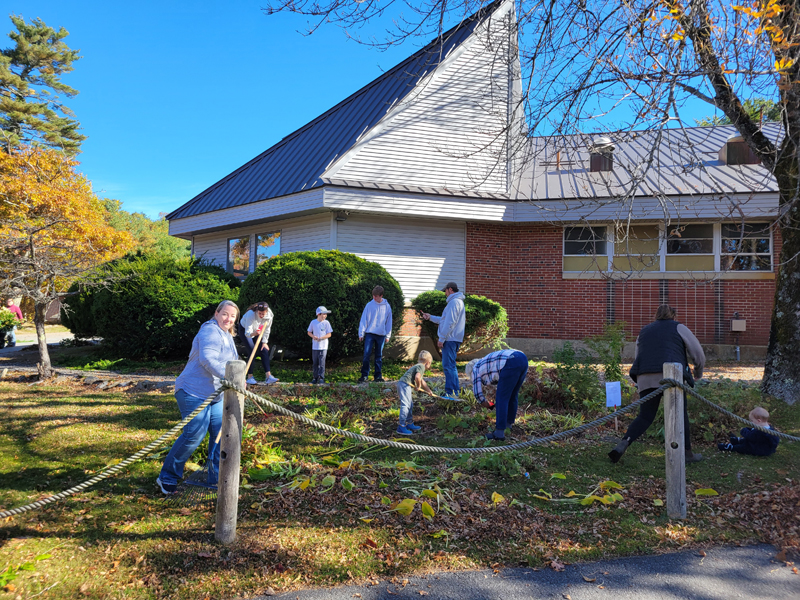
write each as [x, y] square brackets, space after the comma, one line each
[31, 109]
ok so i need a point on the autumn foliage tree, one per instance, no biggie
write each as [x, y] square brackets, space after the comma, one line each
[52, 229]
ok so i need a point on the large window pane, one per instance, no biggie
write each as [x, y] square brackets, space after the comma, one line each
[239, 256]
[584, 241]
[690, 239]
[745, 247]
[636, 249]
[268, 245]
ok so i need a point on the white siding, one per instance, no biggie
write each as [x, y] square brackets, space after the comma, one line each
[285, 207]
[420, 254]
[450, 132]
[305, 233]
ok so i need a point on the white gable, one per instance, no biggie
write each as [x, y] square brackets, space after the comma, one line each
[451, 131]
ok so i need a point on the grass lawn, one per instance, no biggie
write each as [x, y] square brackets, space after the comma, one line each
[318, 510]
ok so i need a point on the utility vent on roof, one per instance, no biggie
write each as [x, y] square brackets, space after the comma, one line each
[601, 155]
[737, 152]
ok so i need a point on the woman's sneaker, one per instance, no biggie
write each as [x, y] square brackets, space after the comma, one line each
[270, 380]
[403, 430]
[251, 380]
[413, 427]
[166, 488]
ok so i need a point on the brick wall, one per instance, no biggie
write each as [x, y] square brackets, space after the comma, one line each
[410, 326]
[519, 266]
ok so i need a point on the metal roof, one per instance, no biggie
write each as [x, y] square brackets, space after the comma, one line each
[670, 162]
[298, 161]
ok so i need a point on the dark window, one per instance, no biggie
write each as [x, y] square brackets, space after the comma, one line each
[691, 239]
[585, 241]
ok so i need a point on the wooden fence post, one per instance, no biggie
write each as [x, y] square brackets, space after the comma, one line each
[674, 449]
[230, 455]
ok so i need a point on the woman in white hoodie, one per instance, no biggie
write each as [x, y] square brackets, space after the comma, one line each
[258, 317]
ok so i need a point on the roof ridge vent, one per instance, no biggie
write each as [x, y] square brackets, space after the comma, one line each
[735, 151]
[601, 154]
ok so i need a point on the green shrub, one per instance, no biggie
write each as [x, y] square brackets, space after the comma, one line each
[150, 306]
[576, 376]
[608, 348]
[7, 322]
[486, 320]
[295, 284]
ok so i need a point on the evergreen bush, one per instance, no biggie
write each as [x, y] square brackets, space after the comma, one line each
[486, 320]
[149, 306]
[295, 284]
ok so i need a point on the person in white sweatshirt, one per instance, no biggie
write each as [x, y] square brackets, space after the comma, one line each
[451, 335]
[374, 330]
[258, 317]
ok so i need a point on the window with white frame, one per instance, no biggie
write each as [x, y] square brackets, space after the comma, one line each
[585, 249]
[268, 245]
[746, 247]
[239, 256]
[690, 248]
[704, 247]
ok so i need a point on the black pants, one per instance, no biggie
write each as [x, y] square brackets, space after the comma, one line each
[261, 353]
[647, 413]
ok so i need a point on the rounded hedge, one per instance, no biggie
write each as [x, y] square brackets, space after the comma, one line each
[486, 320]
[149, 306]
[295, 284]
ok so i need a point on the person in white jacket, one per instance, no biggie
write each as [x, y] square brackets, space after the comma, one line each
[374, 330]
[451, 335]
[258, 317]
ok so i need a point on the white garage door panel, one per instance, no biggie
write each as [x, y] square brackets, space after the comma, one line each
[421, 255]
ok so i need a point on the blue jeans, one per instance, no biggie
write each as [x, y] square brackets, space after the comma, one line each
[512, 376]
[373, 343]
[209, 420]
[406, 403]
[318, 364]
[449, 352]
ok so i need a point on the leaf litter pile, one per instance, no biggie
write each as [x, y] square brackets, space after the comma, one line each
[316, 509]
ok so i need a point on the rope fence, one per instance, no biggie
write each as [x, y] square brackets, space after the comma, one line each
[277, 408]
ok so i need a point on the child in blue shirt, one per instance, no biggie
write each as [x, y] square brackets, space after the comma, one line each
[319, 330]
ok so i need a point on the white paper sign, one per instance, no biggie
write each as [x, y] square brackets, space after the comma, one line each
[613, 393]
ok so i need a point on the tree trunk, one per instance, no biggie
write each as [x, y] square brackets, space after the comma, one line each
[44, 366]
[782, 367]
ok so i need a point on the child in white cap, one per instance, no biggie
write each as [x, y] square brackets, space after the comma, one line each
[319, 330]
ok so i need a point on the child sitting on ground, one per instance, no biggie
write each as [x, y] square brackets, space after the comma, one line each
[753, 441]
[412, 379]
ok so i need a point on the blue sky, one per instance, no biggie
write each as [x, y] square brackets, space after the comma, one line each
[176, 94]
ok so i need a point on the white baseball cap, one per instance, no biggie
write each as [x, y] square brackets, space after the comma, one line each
[322, 310]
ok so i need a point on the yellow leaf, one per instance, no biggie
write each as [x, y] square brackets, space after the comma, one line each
[405, 507]
[497, 498]
[344, 464]
[557, 476]
[366, 520]
[329, 481]
[590, 500]
[783, 64]
[457, 476]
[385, 501]
[706, 492]
[658, 502]
[610, 485]
[430, 494]
[571, 494]
[427, 511]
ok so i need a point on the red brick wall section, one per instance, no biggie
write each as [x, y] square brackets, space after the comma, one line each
[410, 326]
[519, 266]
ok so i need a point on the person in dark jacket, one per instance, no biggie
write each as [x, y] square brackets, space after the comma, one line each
[665, 340]
[754, 441]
